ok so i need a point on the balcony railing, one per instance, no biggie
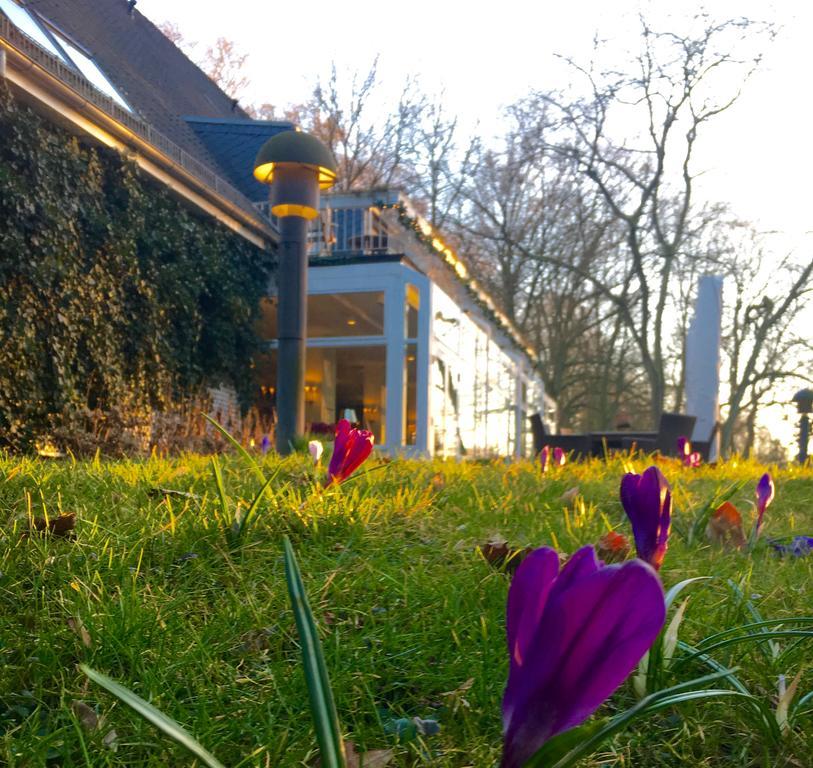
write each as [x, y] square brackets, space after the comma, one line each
[357, 231]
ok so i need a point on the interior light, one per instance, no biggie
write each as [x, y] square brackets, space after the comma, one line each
[351, 322]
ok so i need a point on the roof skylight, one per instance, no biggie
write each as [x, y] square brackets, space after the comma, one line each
[57, 45]
[91, 71]
[26, 23]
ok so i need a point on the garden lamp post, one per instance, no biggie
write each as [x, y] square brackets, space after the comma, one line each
[297, 166]
[804, 403]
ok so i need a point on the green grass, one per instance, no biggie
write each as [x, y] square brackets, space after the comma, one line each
[407, 609]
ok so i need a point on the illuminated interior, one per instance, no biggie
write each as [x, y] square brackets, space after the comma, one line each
[340, 382]
[333, 315]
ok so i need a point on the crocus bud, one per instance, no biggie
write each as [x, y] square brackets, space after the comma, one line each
[316, 449]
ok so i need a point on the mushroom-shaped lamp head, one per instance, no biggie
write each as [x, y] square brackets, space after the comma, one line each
[296, 165]
[804, 400]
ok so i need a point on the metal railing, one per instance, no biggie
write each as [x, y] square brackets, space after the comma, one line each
[358, 231]
[83, 88]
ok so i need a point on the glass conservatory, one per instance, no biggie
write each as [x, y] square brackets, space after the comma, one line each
[402, 341]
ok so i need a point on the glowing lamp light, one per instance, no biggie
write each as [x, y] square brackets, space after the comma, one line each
[296, 165]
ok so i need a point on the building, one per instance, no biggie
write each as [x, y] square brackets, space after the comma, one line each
[403, 339]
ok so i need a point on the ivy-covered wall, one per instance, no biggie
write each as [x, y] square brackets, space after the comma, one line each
[113, 294]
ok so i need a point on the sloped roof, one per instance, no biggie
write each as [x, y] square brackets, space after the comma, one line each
[155, 76]
[234, 145]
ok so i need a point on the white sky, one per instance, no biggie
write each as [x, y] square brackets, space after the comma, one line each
[484, 54]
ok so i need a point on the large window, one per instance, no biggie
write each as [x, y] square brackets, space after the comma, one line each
[334, 314]
[340, 382]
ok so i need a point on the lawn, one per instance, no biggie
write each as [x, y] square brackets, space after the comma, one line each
[411, 615]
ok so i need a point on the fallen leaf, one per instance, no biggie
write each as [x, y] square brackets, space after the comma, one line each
[256, 640]
[76, 626]
[110, 740]
[725, 527]
[172, 492]
[613, 547]
[462, 688]
[62, 526]
[376, 758]
[569, 495]
[497, 553]
[85, 715]
[457, 698]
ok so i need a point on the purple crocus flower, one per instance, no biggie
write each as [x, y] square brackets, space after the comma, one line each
[765, 492]
[573, 637]
[559, 457]
[647, 500]
[265, 444]
[798, 547]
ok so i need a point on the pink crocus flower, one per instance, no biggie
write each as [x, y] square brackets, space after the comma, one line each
[690, 458]
[544, 457]
[350, 449]
[559, 457]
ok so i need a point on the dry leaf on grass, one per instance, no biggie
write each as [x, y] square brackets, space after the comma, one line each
[725, 527]
[498, 553]
[569, 496]
[76, 626]
[85, 715]
[376, 758]
[62, 526]
[613, 547]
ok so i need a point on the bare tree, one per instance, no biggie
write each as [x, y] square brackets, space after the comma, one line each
[222, 61]
[763, 345]
[532, 225]
[224, 64]
[647, 181]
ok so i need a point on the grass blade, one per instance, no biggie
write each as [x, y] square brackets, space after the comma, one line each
[221, 490]
[757, 637]
[247, 457]
[589, 738]
[242, 524]
[150, 713]
[674, 591]
[323, 708]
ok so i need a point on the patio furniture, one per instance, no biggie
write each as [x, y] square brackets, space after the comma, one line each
[671, 427]
[703, 447]
[617, 441]
[537, 431]
[579, 445]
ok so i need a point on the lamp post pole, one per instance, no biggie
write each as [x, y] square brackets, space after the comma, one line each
[292, 318]
[804, 404]
[297, 166]
[804, 437]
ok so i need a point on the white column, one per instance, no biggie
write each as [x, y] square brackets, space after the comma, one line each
[519, 410]
[394, 302]
[424, 366]
[703, 360]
